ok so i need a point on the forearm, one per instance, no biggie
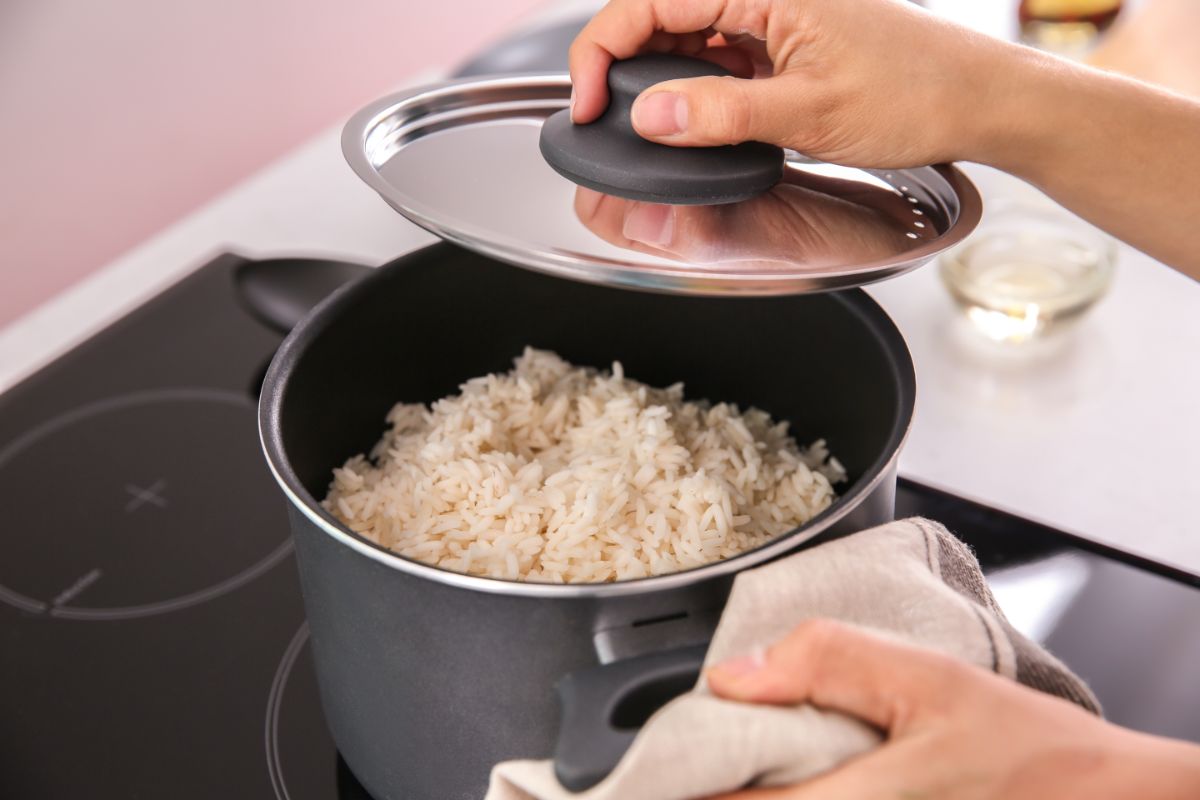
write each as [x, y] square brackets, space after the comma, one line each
[1119, 153]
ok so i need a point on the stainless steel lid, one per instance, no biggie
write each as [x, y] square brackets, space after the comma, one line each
[461, 160]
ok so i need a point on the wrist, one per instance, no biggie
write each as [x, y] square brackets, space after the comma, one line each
[1169, 769]
[1019, 111]
[1135, 764]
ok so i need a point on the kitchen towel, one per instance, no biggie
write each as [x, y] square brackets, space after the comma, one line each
[910, 580]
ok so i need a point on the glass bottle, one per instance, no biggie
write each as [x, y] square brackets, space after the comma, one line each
[1066, 27]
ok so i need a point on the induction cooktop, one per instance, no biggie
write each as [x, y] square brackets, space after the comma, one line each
[152, 636]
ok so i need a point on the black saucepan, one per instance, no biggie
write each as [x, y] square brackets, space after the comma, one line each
[429, 677]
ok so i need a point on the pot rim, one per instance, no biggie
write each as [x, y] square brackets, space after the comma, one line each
[298, 341]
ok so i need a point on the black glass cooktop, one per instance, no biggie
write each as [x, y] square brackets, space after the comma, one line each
[152, 638]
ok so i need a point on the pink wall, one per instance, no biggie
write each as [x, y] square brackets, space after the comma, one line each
[119, 117]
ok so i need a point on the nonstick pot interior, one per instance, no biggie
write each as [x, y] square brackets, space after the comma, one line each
[832, 365]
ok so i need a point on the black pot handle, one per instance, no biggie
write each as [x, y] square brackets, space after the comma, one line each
[604, 706]
[279, 292]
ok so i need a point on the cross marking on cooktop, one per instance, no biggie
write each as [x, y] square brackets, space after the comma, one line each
[76, 588]
[140, 497]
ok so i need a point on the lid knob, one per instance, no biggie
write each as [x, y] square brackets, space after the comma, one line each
[609, 156]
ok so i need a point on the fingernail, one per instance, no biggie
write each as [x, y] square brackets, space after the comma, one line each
[572, 106]
[650, 223]
[745, 665]
[660, 114]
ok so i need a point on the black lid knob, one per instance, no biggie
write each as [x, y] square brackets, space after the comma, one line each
[609, 156]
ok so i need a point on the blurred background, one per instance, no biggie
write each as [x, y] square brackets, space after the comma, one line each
[118, 118]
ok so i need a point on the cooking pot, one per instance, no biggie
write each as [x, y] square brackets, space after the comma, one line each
[429, 677]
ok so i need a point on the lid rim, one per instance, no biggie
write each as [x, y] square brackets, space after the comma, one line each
[368, 141]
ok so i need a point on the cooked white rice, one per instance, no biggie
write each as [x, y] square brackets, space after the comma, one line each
[561, 474]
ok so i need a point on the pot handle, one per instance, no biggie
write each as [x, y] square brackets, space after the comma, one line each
[604, 706]
[279, 292]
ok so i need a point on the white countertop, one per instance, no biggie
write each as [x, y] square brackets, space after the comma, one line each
[1099, 436]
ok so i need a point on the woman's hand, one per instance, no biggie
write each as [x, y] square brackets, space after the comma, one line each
[882, 83]
[953, 730]
[811, 221]
[857, 82]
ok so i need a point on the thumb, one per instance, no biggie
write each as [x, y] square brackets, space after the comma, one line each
[702, 112]
[835, 666]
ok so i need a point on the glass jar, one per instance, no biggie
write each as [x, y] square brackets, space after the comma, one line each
[1028, 269]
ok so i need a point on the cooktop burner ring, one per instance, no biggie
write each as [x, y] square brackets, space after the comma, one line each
[149, 496]
[274, 700]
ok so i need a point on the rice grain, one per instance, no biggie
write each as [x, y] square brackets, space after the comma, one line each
[563, 474]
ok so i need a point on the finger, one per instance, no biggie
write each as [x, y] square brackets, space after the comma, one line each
[696, 234]
[734, 59]
[689, 44]
[788, 225]
[676, 232]
[835, 786]
[781, 793]
[701, 112]
[622, 27]
[685, 43]
[883, 772]
[848, 782]
[846, 669]
[757, 50]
